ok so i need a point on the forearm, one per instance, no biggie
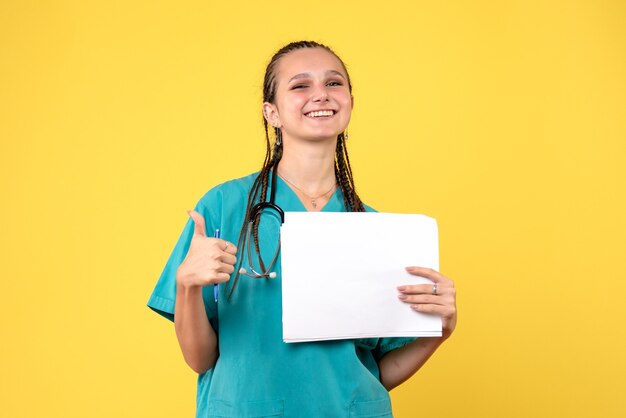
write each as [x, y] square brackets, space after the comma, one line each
[400, 364]
[195, 334]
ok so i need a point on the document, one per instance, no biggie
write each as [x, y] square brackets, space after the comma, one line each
[340, 272]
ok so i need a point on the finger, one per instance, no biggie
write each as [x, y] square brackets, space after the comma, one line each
[427, 289]
[198, 221]
[431, 299]
[226, 268]
[228, 247]
[228, 259]
[443, 311]
[222, 277]
[428, 273]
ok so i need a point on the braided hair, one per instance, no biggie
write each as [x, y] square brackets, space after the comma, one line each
[273, 154]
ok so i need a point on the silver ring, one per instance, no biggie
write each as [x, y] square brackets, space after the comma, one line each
[435, 289]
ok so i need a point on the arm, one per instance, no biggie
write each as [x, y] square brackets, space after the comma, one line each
[208, 261]
[439, 299]
[400, 364]
[195, 334]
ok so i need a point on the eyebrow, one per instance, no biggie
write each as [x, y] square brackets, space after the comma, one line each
[308, 75]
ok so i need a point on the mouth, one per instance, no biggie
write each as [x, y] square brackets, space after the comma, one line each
[316, 114]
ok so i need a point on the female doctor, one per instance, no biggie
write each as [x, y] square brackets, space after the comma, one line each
[233, 338]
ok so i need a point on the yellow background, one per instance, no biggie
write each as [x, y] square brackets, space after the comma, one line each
[505, 120]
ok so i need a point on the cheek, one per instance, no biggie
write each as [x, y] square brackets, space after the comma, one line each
[346, 100]
[347, 104]
[294, 105]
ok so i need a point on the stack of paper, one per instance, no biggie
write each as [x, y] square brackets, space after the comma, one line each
[340, 272]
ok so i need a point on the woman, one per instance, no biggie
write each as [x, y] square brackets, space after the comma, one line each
[235, 343]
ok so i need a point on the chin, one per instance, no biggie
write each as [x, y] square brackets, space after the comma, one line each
[325, 133]
[323, 137]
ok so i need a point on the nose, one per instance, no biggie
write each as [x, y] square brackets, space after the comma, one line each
[319, 93]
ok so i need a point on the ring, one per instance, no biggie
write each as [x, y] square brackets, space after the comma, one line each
[225, 248]
[435, 289]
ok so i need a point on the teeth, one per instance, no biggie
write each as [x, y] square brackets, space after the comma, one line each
[320, 113]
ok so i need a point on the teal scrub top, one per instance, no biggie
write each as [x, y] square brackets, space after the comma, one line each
[257, 374]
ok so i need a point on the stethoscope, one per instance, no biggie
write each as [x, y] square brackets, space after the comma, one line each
[256, 212]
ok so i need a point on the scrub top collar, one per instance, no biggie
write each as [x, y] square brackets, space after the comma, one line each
[334, 204]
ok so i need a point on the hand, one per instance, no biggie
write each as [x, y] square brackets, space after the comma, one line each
[209, 260]
[438, 298]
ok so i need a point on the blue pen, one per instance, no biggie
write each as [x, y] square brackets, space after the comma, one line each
[216, 286]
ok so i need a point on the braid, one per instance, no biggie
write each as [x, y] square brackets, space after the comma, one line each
[340, 175]
[276, 156]
[255, 222]
[343, 173]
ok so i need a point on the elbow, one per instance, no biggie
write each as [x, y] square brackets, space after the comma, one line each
[201, 365]
[393, 372]
[388, 382]
[199, 368]
[389, 385]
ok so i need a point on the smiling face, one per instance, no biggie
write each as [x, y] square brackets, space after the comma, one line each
[313, 100]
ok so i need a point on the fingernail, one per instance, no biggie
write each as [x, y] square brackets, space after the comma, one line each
[401, 288]
[402, 297]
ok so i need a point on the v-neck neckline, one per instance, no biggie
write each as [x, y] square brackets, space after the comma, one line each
[328, 206]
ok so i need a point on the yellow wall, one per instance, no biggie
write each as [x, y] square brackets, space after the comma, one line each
[505, 120]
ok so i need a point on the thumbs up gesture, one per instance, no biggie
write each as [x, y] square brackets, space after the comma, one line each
[208, 261]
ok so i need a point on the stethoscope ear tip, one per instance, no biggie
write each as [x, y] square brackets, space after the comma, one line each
[255, 275]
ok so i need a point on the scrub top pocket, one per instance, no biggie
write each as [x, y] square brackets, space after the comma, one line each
[254, 409]
[380, 408]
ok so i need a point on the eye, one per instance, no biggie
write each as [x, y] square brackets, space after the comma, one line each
[298, 86]
[334, 83]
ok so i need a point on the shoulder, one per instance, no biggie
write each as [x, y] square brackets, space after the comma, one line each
[234, 189]
[369, 208]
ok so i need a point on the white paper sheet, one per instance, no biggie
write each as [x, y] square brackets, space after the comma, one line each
[340, 272]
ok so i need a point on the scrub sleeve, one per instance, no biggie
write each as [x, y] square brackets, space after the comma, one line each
[163, 298]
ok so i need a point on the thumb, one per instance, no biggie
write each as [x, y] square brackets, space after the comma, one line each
[198, 221]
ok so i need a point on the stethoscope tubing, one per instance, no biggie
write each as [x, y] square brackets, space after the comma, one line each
[255, 213]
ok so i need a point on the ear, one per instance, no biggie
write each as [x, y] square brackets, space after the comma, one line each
[351, 102]
[270, 113]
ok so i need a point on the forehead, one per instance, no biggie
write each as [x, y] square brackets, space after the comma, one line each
[307, 60]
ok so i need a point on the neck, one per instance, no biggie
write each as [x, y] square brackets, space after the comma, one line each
[309, 165]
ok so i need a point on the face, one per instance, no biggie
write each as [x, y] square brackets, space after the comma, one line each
[313, 100]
